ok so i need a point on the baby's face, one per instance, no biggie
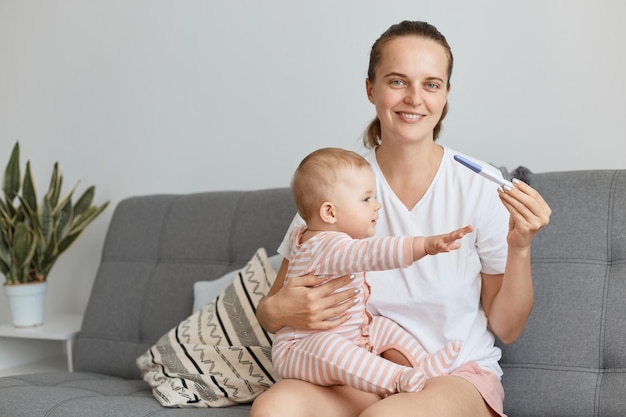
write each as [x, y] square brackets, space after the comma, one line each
[355, 202]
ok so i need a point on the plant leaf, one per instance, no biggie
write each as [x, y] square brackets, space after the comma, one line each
[90, 215]
[26, 214]
[28, 189]
[46, 220]
[11, 180]
[6, 219]
[63, 221]
[24, 245]
[54, 190]
[60, 206]
[5, 256]
[84, 202]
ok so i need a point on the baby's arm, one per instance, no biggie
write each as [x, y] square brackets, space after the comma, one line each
[344, 255]
[432, 245]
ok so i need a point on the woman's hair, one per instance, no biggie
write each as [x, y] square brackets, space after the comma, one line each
[316, 176]
[371, 137]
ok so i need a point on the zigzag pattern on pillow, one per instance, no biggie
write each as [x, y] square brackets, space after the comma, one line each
[220, 355]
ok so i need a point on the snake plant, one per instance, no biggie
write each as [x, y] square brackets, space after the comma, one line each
[34, 234]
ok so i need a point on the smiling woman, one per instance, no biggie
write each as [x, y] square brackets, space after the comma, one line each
[470, 295]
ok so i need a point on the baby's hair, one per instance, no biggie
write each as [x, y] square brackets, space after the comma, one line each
[317, 174]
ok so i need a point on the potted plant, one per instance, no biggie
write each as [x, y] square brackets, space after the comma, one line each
[34, 234]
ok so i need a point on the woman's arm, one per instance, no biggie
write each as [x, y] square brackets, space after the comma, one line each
[508, 298]
[306, 302]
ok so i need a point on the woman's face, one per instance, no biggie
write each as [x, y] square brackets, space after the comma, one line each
[410, 88]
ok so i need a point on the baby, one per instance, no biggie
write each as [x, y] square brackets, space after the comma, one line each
[335, 194]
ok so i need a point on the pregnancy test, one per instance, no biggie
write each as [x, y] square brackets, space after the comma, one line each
[482, 171]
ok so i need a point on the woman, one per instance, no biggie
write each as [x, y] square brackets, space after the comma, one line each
[473, 295]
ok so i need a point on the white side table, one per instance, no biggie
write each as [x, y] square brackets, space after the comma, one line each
[60, 327]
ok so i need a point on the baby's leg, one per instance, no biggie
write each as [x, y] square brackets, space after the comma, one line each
[326, 359]
[387, 334]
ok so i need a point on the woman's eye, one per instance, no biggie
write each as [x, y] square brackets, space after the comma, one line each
[432, 86]
[397, 83]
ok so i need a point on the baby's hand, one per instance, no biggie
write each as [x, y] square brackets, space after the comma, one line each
[445, 243]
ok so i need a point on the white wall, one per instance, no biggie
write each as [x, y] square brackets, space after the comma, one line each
[158, 96]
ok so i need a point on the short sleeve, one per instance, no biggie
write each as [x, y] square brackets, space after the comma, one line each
[285, 246]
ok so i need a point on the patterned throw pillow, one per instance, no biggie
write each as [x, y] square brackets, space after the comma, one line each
[220, 355]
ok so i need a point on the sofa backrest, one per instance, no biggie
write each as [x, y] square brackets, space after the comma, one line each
[572, 355]
[156, 248]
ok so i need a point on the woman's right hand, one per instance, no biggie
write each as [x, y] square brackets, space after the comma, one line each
[306, 303]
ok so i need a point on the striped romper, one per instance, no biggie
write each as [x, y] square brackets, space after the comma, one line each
[348, 354]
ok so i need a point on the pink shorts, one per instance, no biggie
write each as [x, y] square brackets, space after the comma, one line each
[486, 382]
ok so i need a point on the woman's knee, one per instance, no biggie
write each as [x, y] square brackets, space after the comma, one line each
[266, 404]
[262, 407]
[441, 397]
[286, 398]
[295, 398]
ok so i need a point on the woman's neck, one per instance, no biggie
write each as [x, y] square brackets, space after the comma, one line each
[409, 170]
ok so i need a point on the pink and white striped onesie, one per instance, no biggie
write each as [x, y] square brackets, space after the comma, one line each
[348, 354]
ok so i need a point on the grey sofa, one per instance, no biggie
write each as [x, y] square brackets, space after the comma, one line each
[570, 361]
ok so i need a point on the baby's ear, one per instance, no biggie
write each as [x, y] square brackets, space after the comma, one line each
[327, 213]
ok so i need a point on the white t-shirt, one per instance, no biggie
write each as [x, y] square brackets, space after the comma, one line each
[437, 298]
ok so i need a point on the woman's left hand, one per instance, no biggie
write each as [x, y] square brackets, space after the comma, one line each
[529, 213]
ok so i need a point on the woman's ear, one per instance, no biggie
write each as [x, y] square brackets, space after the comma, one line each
[327, 213]
[368, 89]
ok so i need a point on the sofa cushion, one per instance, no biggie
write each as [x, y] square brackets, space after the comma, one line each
[81, 394]
[219, 355]
[205, 292]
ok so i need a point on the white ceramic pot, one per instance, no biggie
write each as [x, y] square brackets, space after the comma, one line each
[27, 303]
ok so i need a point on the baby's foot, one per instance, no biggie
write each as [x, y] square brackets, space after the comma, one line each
[411, 380]
[441, 361]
